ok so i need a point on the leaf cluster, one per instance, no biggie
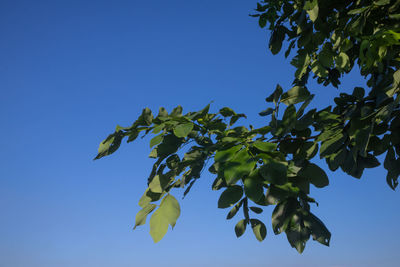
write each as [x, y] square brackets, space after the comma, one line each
[273, 165]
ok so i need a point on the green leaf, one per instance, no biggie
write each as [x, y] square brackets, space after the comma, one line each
[230, 196]
[141, 216]
[226, 112]
[319, 231]
[288, 121]
[331, 145]
[301, 61]
[343, 61]
[274, 172]
[167, 214]
[253, 189]
[266, 112]
[319, 69]
[256, 210]
[358, 93]
[315, 174]
[282, 215]
[297, 234]
[259, 229]
[262, 22]
[274, 97]
[275, 42]
[393, 167]
[238, 167]
[265, 146]
[304, 105]
[158, 128]
[234, 210]
[147, 116]
[156, 140]
[227, 154]
[325, 57]
[182, 130]
[382, 2]
[177, 112]
[148, 197]
[357, 10]
[313, 13]
[173, 161]
[159, 183]
[170, 145]
[240, 228]
[171, 209]
[158, 225]
[295, 95]
[162, 112]
[109, 145]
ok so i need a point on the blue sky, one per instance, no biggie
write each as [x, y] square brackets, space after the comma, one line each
[70, 71]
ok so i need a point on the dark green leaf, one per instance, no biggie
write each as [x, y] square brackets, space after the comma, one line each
[274, 172]
[275, 42]
[319, 231]
[256, 210]
[238, 167]
[266, 112]
[315, 174]
[240, 228]
[253, 188]
[234, 210]
[226, 112]
[274, 97]
[259, 229]
[282, 215]
[295, 95]
[230, 196]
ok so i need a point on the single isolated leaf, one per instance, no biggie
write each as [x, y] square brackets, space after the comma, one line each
[141, 216]
[266, 112]
[109, 145]
[240, 228]
[158, 225]
[259, 229]
[256, 210]
[171, 209]
[234, 210]
[230, 196]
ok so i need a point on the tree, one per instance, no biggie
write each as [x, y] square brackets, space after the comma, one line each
[272, 165]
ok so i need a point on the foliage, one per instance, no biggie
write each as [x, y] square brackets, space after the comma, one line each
[272, 165]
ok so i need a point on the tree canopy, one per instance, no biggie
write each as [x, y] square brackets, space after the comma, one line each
[273, 165]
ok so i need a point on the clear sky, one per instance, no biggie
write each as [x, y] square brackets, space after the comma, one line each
[70, 71]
